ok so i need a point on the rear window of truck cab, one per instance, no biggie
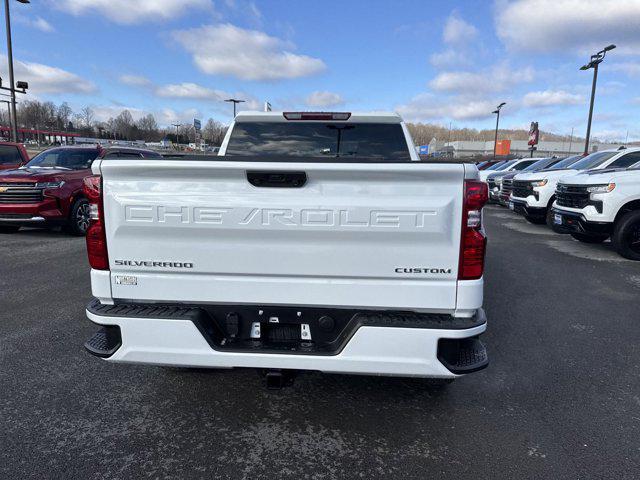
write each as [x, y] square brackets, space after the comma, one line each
[9, 155]
[319, 139]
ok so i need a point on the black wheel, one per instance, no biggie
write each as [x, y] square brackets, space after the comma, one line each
[626, 235]
[79, 217]
[549, 218]
[535, 220]
[589, 238]
[9, 228]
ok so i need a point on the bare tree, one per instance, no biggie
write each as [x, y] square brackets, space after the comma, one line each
[87, 116]
[29, 113]
[423, 133]
[214, 132]
[148, 123]
[111, 127]
[63, 115]
[124, 124]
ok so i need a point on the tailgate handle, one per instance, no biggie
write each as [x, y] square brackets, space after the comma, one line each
[277, 179]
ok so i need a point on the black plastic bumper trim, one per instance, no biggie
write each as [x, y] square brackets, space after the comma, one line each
[212, 329]
[382, 318]
[520, 206]
[105, 342]
[579, 224]
[462, 355]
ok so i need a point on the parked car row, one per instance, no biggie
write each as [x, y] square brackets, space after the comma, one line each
[592, 198]
[46, 191]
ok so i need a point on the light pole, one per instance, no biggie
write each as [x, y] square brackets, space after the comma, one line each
[495, 139]
[234, 101]
[177, 125]
[14, 131]
[593, 63]
[8, 113]
[571, 141]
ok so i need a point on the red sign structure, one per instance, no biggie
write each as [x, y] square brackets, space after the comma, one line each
[534, 134]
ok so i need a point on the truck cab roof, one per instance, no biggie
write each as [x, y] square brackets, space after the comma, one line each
[351, 117]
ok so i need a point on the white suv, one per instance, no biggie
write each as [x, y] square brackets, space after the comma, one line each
[595, 205]
[533, 193]
[494, 179]
[507, 166]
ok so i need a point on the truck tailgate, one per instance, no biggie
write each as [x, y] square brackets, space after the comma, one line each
[355, 234]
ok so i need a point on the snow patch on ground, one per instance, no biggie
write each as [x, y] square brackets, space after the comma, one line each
[529, 228]
[600, 253]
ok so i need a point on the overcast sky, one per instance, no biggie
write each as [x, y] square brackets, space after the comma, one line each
[432, 61]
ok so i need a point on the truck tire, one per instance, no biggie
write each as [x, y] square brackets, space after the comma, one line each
[79, 218]
[589, 238]
[626, 235]
[9, 228]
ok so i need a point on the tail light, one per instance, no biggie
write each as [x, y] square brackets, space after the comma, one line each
[96, 239]
[473, 242]
[317, 115]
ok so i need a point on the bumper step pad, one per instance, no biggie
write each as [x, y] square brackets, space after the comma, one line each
[464, 355]
[104, 342]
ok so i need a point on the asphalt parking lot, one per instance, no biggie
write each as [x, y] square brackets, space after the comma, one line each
[560, 399]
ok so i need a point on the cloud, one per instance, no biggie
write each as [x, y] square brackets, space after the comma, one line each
[128, 12]
[38, 23]
[193, 91]
[190, 90]
[457, 31]
[458, 34]
[245, 54]
[610, 135]
[134, 80]
[632, 69]
[548, 98]
[42, 25]
[102, 113]
[428, 107]
[246, 9]
[165, 117]
[324, 99]
[449, 58]
[611, 87]
[497, 79]
[46, 79]
[577, 26]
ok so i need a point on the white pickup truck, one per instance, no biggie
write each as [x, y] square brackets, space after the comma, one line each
[313, 241]
[533, 194]
[595, 205]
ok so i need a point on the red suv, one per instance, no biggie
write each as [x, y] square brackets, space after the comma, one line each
[12, 155]
[47, 191]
